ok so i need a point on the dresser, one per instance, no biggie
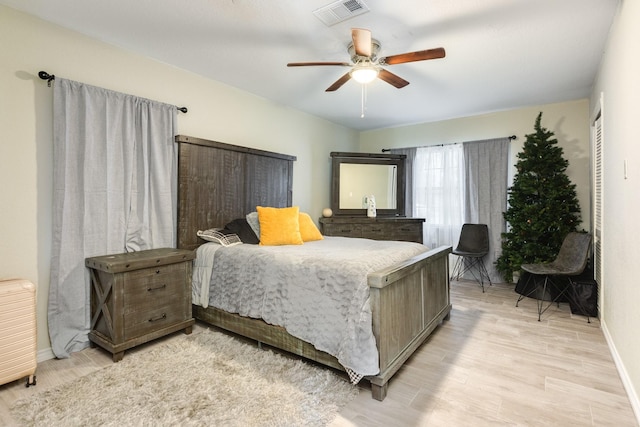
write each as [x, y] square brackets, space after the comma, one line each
[379, 228]
[139, 296]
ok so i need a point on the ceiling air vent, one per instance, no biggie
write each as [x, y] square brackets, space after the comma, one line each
[340, 11]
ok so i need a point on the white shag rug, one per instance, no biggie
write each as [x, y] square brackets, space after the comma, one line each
[203, 379]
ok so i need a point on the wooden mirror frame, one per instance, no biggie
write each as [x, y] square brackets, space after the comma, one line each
[398, 160]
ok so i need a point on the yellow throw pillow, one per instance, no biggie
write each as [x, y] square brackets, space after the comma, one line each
[279, 226]
[308, 229]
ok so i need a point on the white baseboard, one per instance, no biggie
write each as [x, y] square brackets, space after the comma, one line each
[45, 354]
[624, 376]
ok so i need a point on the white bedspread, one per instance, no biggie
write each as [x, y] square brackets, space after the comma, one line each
[317, 291]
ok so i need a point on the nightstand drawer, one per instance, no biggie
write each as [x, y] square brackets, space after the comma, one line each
[140, 323]
[153, 286]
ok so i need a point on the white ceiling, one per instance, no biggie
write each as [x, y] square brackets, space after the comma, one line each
[500, 54]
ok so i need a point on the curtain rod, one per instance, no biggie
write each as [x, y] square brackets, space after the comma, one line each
[49, 77]
[386, 150]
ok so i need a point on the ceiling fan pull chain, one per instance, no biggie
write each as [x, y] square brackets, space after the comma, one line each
[363, 100]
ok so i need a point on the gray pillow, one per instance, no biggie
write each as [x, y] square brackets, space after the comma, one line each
[254, 223]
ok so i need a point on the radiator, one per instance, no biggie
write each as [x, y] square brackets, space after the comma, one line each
[17, 331]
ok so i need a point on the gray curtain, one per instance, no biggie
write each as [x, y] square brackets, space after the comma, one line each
[408, 193]
[114, 190]
[486, 164]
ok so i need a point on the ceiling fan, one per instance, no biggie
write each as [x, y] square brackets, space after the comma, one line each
[366, 66]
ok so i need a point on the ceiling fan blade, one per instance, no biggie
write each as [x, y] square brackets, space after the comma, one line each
[338, 83]
[307, 64]
[420, 55]
[361, 41]
[392, 79]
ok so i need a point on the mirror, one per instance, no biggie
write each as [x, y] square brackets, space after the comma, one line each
[358, 175]
[357, 181]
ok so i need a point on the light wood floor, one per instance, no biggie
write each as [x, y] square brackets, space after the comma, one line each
[492, 364]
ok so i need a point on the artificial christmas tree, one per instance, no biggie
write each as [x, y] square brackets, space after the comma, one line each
[543, 206]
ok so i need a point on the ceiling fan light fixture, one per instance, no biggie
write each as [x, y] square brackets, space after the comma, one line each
[364, 75]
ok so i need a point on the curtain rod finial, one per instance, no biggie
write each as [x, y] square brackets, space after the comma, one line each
[46, 76]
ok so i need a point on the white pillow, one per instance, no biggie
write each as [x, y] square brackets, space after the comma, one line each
[215, 236]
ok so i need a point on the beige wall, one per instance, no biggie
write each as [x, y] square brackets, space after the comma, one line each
[216, 112]
[619, 86]
[569, 121]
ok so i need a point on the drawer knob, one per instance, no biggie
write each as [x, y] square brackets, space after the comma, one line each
[156, 288]
[155, 319]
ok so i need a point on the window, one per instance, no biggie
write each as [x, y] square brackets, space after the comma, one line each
[438, 192]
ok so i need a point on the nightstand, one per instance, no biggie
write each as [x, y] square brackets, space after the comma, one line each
[137, 297]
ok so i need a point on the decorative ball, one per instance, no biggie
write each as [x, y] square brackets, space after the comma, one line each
[327, 212]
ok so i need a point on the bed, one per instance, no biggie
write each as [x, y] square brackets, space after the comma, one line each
[218, 183]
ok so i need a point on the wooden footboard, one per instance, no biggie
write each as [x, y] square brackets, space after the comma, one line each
[408, 301]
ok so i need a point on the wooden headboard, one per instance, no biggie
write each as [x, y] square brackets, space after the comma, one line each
[220, 182]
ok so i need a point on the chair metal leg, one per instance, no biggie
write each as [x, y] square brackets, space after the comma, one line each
[476, 264]
[553, 300]
[540, 300]
[523, 296]
[483, 271]
[467, 264]
[455, 272]
[539, 296]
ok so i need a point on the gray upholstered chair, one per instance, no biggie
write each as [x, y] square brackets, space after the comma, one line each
[570, 262]
[472, 247]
